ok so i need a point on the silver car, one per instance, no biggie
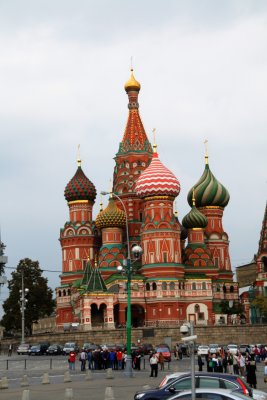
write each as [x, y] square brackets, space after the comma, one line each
[210, 394]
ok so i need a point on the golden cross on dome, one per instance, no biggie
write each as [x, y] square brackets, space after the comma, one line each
[154, 140]
[131, 63]
[110, 189]
[206, 151]
[101, 203]
[79, 161]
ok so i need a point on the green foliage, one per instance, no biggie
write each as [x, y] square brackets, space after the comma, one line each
[39, 303]
[237, 308]
[260, 302]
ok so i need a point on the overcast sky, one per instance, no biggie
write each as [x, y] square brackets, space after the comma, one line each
[63, 64]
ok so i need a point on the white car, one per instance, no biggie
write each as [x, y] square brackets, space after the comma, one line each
[233, 348]
[213, 348]
[23, 349]
[203, 350]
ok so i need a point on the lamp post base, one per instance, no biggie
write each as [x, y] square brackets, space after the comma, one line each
[128, 371]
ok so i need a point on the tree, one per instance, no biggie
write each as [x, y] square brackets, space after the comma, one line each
[39, 303]
[260, 303]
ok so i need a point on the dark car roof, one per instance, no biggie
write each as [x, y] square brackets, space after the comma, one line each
[230, 377]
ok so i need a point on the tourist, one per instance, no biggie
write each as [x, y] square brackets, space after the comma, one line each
[154, 365]
[251, 373]
[72, 358]
[161, 361]
[82, 359]
[200, 363]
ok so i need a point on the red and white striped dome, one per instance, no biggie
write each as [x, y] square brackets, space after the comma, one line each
[157, 180]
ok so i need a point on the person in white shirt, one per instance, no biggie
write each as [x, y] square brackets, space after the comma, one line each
[154, 365]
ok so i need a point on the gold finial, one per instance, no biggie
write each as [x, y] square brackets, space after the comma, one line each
[193, 197]
[88, 258]
[79, 161]
[206, 151]
[95, 261]
[110, 189]
[132, 83]
[131, 63]
[101, 203]
[154, 140]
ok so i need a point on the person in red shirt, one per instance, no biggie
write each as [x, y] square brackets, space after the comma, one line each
[119, 358]
[72, 358]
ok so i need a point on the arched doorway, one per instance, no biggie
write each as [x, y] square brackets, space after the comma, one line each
[138, 315]
[98, 315]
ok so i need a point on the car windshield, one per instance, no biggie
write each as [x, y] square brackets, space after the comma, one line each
[163, 350]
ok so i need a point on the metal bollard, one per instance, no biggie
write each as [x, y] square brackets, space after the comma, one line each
[25, 395]
[109, 394]
[50, 363]
[68, 394]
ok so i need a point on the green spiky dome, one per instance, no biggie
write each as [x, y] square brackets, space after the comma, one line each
[112, 216]
[80, 187]
[209, 191]
[195, 219]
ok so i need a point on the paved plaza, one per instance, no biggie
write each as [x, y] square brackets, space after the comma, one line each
[99, 387]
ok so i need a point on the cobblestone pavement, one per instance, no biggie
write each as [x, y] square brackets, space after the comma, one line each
[95, 389]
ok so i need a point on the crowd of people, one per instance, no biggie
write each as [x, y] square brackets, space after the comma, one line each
[239, 363]
[104, 358]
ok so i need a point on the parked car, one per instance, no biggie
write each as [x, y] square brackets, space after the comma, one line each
[213, 348]
[210, 394]
[70, 346]
[233, 348]
[181, 381]
[203, 350]
[244, 348]
[165, 350]
[54, 349]
[37, 349]
[23, 348]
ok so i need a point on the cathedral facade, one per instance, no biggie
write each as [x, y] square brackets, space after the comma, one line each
[184, 272]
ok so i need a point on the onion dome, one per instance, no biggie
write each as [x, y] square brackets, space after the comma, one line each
[195, 219]
[80, 187]
[112, 216]
[184, 232]
[209, 191]
[132, 83]
[157, 180]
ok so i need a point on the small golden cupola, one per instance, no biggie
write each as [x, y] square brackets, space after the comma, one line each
[132, 83]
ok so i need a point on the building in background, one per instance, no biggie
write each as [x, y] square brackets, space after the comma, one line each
[253, 277]
[185, 270]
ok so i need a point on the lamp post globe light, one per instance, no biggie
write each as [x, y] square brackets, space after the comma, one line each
[23, 302]
[188, 329]
[127, 269]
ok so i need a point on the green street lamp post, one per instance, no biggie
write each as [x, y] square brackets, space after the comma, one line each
[137, 251]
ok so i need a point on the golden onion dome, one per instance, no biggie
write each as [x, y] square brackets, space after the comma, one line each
[112, 216]
[132, 83]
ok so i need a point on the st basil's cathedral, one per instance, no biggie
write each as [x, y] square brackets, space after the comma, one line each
[184, 272]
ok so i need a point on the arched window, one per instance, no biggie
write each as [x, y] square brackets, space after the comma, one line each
[164, 286]
[218, 288]
[59, 293]
[147, 286]
[232, 289]
[154, 286]
[179, 285]
[172, 286]
[64, 292]
[197, 308]
[264, 263]
[204, 286]
[224, 289]
[193, 286]
[69, 292]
